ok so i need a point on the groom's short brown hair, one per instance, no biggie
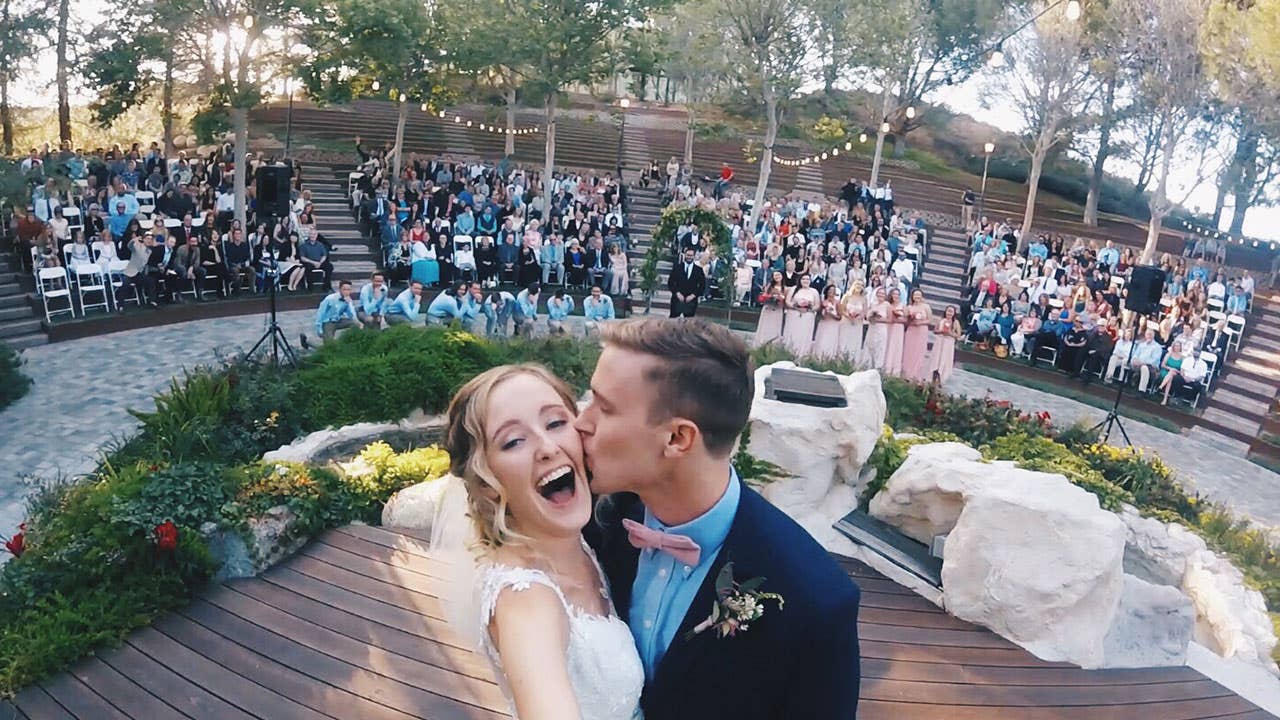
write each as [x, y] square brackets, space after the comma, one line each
[703, 374]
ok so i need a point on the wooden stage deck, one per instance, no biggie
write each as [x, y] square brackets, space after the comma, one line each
[351, 628]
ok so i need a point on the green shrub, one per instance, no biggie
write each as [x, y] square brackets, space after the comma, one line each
[572, 360]
[13, 384]
[1044, 455]
[752, 469]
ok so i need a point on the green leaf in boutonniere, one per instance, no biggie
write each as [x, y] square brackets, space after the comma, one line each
[736, 606]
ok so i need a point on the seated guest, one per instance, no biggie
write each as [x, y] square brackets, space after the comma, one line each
[1146, 358]
[1170, 370]
[981, 326]
[1102, 342]
[1071, 350]
[239, 259]
[314, 256]
[446, 306]
[337, 312]
[508, 257]
[598, 264]
[1002, 331]
[1027, 327]
[214, 267]
[1189, 378]
[559, 307]
[597, 308]
[1238, 302]
[405, 308]
[486, 260]
[1119, 354]
[1050, 333]
[552, 257]
[374, 299]
[187, 263]
[576, 262]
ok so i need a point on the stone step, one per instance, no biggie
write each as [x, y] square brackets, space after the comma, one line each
[12, 301]
[1229, 445]
[1244, 405]
[1235, 380]
[21, 342]
[1231, 420]
[16, 312]
[10, 288]
[14, 328]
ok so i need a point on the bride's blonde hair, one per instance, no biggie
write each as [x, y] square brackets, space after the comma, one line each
[467, 444]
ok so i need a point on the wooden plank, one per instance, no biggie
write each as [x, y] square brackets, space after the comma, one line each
[176, 690]
[873, 667]
[117, 689]
[376, 696]
[369, 577]
[388, 637]
[206, 660]
[80, 700]
[1189, 710]
[1004, 657]
[9, 711]
[910, 618]
[37, 704]
[435, 680]
[976, 638]
[402, 560]
[940, 693]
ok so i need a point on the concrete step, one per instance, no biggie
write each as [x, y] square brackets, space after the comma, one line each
[1232, 420]
[10, 288]
[16, 312]
[14, 328]
[1255, 387]
[14, 301]
[1245, 406]
[1230, 445]
[21, 342]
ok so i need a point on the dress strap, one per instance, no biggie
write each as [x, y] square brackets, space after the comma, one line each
[497, 578]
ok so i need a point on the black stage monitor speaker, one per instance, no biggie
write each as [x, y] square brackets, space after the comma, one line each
[1146, 286]
[805, 388]
[273, 190]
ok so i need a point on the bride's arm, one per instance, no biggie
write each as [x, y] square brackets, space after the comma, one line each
[531, 632]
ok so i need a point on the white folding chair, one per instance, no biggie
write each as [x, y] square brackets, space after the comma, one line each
[54, 284]
[171, 223]
[1211, 361]
[145, 197]
[74, 220]
[1214, 303]
[115, 277]
[353, 178]
[1234, 331]
[89, 279]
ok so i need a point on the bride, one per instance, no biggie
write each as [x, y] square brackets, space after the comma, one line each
[539, 605]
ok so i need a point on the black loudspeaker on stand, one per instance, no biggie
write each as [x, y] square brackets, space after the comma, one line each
[273, 202]
[1146, 287]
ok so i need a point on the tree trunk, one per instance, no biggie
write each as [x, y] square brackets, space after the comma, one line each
[1159, 205]
[401, 117]
[1220, 201]
[509, 143]
[6, 115]
[829, 80]
[1033, 187]
[551, 154]
[166, 108]
[688, 135]
[64, 101]
[1145, 166]
[240, 126]
[875, 162]
[899, 144]
[1104, 149]
[766, 158]
[1246, 175]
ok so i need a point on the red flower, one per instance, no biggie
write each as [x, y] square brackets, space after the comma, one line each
[17, 544]
[154, 468]
[167, 536]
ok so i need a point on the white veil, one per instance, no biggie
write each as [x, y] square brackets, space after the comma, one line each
[453, 542]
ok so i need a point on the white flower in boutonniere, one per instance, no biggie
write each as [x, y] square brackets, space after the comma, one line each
[737, 605]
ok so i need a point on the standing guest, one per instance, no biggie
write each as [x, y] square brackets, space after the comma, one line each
[597, 308]
[773, 300]
[620, 282]
[559, 307]
[853, 312]
[525, 313]
[897, 331]
[407, 305]
[374, 299]
[802, 306]
[826, 340]
[944, 345]
[337, 312]
[687, 283]
[915, 342]
[877, 341]
[529, 271]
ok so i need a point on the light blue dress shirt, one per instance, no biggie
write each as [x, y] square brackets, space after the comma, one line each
[664, 589]
[443, 308]
[559, 309]
[595, 311]
[526, 307]
[1148, 353]
[405, 304]
[332, 309]
[374, 305]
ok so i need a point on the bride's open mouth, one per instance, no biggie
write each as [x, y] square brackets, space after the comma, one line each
[558, 486]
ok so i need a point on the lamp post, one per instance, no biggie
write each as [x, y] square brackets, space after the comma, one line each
[288, 121]
[623, 103]
[989, 148]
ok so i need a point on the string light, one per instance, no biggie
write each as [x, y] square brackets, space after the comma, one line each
[911, 112]
[862, 138]
[1073, 10]
[884, 127]
[376, 85]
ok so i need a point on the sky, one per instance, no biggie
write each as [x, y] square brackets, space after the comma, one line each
[37, 88]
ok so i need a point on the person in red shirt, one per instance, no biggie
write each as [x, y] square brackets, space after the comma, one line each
[726, 176]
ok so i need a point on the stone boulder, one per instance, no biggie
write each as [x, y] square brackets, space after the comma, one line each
[329, 444]
[1230, 617]
[1152, 627]
[1028, 554]
[274, 536]
[819, 448]
[414, 507]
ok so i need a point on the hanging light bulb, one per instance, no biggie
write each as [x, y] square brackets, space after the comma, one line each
[468, 123]
[911, 112]
[442, 114]
[1073, 10]
[997, 58]
[884, 127]
[248, 22]
[862, 138]
[824, 156]
[403, 97]
[848, 145]
[376, 85]
[457, 118]
[481, 126]
[835, 152]
[424, 107]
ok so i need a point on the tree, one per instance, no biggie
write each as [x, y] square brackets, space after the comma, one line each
[561, 43]
[690, 59]
[1166, 40]
[1048, 78]
[64, 101]
[354, 44]
[473, 24]
[765, 43]
[21, 29]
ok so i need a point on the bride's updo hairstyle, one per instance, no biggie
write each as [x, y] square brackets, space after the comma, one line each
[467, 444]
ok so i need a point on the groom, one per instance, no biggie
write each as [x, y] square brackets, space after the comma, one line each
[669, 399]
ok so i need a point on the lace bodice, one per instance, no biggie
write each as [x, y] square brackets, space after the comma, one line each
[604, 667]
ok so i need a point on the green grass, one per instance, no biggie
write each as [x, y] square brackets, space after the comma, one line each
[1127, 411]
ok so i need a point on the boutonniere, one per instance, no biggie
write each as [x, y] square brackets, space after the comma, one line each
[737, 605]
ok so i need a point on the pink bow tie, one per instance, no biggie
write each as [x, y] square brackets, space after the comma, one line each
[680, 547]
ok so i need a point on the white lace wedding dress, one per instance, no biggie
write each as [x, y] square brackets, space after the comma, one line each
[604, 667]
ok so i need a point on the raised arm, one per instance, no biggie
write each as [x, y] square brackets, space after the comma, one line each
[531, 632]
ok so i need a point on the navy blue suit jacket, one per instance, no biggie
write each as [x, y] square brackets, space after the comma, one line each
[800, 662]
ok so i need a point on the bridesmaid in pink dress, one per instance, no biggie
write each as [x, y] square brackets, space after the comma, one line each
[826, 341]
[915, 342]
[773, 300]
[897, 334]
[802, 306]
[944, 345]
[853, 308]
[877, 330]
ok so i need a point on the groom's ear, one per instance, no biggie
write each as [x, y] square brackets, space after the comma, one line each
[683, 438]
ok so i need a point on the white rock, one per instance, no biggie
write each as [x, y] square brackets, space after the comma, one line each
[274, 536]
[925, 496]
[1157, 552]
[1152, 627]
[818, 447]
[414, 507]
[327, 444]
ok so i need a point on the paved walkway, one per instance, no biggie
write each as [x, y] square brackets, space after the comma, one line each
[1243, 486]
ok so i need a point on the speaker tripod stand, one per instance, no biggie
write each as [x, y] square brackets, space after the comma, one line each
[1113, 416]
[274, 337]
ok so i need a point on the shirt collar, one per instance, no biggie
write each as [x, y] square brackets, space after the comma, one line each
[710, 529]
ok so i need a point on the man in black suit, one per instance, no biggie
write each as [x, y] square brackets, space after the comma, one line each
[669, 400]
[686, 283]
